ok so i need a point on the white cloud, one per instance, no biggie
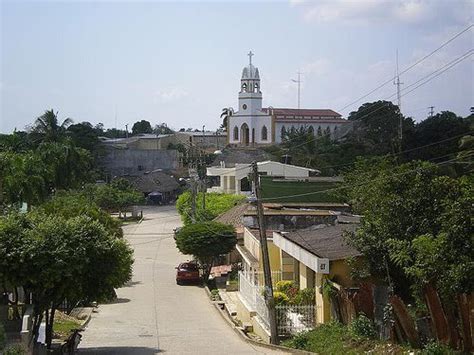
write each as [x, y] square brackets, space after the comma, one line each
[171, 94]
[369, 11]
[317, 68]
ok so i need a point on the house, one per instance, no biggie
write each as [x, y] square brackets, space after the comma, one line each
[305, 255]
[235, 180]
[312, 255]
[157, 186]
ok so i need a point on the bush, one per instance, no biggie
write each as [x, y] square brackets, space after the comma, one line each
[280, 298]
[362, 327]
[306, 296]
[216, 204]
[72, 203]
[299, 341]
[3, 336]
[435, 348]
[285, 286]
[16, 349]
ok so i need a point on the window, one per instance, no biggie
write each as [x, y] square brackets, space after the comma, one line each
[283, 133]
[236, 133]
[244, 106]
[264, 133]
[244, 87]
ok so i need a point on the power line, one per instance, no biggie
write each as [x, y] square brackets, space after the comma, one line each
[410, 67]
[344, 187]
[429, 77]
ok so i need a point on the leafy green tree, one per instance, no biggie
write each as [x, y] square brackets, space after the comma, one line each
[56, 259]
[115, 133]
[162, 128]
[216, 204]
[84, 135]
[142, 126]
[376, 124]
[440, 127]
[206, 241]
[48, 129]
[416, 225]
[24, 177]
[70, 166]
[112, 198]
[17, 142]
[69, 204]
[226, 113]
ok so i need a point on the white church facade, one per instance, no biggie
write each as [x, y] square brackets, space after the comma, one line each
[253, 124]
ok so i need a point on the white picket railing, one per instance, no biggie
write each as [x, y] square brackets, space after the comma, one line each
[291, 318]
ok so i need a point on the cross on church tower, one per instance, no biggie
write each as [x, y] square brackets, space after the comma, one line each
[250, 57]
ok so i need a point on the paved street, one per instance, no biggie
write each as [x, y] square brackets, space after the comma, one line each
[152, 314]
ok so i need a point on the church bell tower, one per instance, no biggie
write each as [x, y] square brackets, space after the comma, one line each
[250, 96]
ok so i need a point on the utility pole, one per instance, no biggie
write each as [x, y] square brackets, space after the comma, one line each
[299, 88]
[399, 102]
[431, 110]
[193, 177]
[270, 301]
[126, 131]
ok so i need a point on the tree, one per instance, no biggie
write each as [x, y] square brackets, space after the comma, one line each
[226, 113]
[206, 241]
[162, 129]
[48, 129]
[69, 165]
[56, 259]
[24, 178]
[216, 204]
[440, 127]
[84, 135]
[142, 126]
[377, 124]
[416, 225]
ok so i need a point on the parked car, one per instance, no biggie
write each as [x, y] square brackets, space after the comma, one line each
[187, 272]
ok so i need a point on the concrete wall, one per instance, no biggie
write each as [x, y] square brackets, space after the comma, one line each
[127, 161]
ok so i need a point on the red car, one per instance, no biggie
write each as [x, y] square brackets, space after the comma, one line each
[187, 272]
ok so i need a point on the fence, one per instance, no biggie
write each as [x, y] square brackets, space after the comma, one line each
[291, 319]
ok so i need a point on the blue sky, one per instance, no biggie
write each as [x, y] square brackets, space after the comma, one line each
[180, 62]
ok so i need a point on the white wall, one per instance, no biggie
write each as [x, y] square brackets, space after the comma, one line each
[254, 122]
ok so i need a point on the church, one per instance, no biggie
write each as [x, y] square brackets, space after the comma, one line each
[254, 125]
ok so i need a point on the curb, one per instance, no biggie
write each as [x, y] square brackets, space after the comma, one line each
[245, 338]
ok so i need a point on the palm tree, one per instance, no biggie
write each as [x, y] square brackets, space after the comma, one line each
[48, 128]
[226, 113]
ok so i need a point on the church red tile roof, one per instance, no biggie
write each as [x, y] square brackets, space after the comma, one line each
[305, 113]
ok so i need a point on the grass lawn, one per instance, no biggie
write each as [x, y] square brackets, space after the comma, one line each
[63, 325]
[272, 188]
[334, 338]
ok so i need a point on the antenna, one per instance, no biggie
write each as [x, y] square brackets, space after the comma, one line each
[399, 102]
[299, 87]
[431, 110]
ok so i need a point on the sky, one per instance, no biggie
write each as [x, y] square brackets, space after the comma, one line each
[180, 62]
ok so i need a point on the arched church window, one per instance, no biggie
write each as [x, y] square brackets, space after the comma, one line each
[236, 133]
[264, 133]
[256, 87]
[244, 87]
[283, 133]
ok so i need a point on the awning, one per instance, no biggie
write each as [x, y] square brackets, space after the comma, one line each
[315, 263]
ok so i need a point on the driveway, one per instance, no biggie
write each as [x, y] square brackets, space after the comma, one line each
[152, 314]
